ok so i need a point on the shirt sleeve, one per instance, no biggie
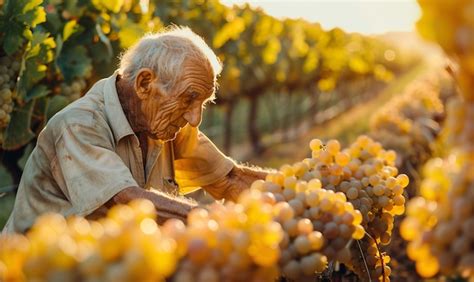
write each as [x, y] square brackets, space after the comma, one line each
[88, 170]
[198, 162]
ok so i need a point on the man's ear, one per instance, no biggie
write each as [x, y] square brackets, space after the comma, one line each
[144, 83]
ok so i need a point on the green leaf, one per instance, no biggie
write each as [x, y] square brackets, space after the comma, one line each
[39, 37]
[26, 154]
[54, 22]
[37, 92]
[74, 62]
[15, 7]
[39, 111]
[74, 7]
[33, 72]
[69, 29]
[33, 17]
[12, 40]
[56, 104]
[59, 47]
[18, 132]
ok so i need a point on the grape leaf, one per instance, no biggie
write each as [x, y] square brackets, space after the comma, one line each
[56, 104]
[15, 7]
[36, 92]
[37, 56]
[39, 112]
[12, 41]
[18, 132]
[74, 62]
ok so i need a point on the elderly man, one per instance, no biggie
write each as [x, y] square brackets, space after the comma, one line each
[133, 135]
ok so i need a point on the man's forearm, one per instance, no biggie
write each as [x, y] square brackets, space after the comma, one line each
[166, 206]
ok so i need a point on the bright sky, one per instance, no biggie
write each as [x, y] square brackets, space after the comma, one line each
[364, 16]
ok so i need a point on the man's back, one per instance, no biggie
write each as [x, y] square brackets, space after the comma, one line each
[43, 187]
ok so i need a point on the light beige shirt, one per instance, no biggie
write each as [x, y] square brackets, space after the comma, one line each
[88, 152]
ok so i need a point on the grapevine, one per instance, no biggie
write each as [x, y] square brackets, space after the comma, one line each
[438, 225]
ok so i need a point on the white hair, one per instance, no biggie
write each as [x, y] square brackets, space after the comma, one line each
[165, 53]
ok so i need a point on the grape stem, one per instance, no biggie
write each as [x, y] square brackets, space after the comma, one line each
[381, 255]
[363, 259]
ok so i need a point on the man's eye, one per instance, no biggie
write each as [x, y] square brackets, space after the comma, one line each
[191, 97]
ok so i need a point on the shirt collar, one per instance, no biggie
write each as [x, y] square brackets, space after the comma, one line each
[114, 112]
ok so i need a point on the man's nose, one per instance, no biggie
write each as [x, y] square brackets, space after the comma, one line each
[194, 116]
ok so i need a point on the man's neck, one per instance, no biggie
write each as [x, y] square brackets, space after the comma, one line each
[131, 105]
[132, 110]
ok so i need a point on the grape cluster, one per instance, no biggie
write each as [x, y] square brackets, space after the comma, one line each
[9, 69]
[127, 245]
[235, 242]
[73, 91]
[421, 106]
[319, 224]
[440, 222]
[365, 173]
[409, 123]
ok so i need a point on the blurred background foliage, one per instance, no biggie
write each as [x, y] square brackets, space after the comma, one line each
[277, 72]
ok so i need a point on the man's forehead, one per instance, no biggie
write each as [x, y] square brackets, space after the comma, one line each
[198, 80]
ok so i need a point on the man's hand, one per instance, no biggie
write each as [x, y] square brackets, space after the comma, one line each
[167, 206]
[238, 179]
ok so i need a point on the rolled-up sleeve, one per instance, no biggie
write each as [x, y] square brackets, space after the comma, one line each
[198, 162]
[87, 169]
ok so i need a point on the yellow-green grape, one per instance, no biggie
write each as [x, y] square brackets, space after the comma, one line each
[316, 145]
[333, 147]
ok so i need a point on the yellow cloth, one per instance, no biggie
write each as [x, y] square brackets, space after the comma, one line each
[88, 152]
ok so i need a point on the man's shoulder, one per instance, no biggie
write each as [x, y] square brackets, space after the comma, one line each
[88, 111]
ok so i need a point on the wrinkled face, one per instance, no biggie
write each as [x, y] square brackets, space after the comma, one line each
[166, 113]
